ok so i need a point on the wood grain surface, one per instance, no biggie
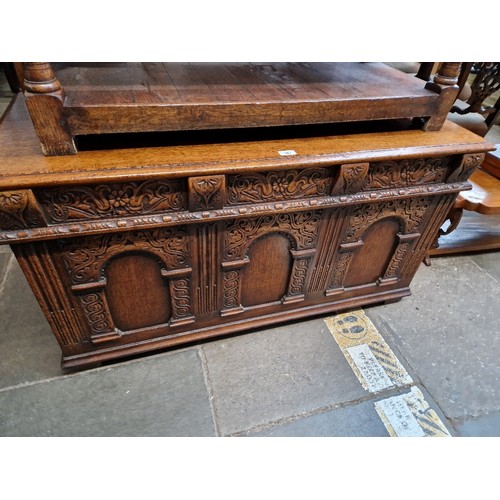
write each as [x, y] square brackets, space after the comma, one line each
[134, 249]
[23, 166]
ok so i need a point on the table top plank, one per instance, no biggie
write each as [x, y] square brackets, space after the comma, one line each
[22, 164]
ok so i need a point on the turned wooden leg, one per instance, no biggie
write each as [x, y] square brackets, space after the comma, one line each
[44, 100]
[445, 83]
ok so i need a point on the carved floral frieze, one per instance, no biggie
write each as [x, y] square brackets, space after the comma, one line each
[391, 174]
[275, 186]
[112, 200]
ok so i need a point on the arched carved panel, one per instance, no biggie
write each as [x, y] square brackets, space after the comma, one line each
[167, 249]
[301, 227]
[371, 260]
[409, 212]
[136, 292]
[85, 258]
[265, 278]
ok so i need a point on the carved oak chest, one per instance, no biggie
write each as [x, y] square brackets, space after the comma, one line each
[132, 250]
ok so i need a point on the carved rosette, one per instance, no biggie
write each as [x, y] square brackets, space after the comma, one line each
[18, 209]
[207, 192]
[112, 200]
[277, 186]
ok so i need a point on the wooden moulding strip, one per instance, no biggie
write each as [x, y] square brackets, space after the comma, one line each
[99, 226]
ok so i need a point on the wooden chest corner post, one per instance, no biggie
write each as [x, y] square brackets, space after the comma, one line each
[445, 83]
[44, 100]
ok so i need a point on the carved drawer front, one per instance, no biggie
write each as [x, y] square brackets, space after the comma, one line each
[130, 281]
[76, 203]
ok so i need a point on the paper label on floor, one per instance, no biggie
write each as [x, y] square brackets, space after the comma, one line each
[409, 415]
[355, 329]
[397, 417]
[371, 370]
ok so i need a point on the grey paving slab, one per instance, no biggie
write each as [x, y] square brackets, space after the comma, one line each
[160, 396]
[4, 265]
[5, 249]
[29, 350]
[486, 426]
[489, 262]
[355, 420]
[448, 333]
[359, 420]
[276, 373]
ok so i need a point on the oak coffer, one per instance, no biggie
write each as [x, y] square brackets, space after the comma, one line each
[130, 250]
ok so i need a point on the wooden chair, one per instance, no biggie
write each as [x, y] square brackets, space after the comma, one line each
[476, 233]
